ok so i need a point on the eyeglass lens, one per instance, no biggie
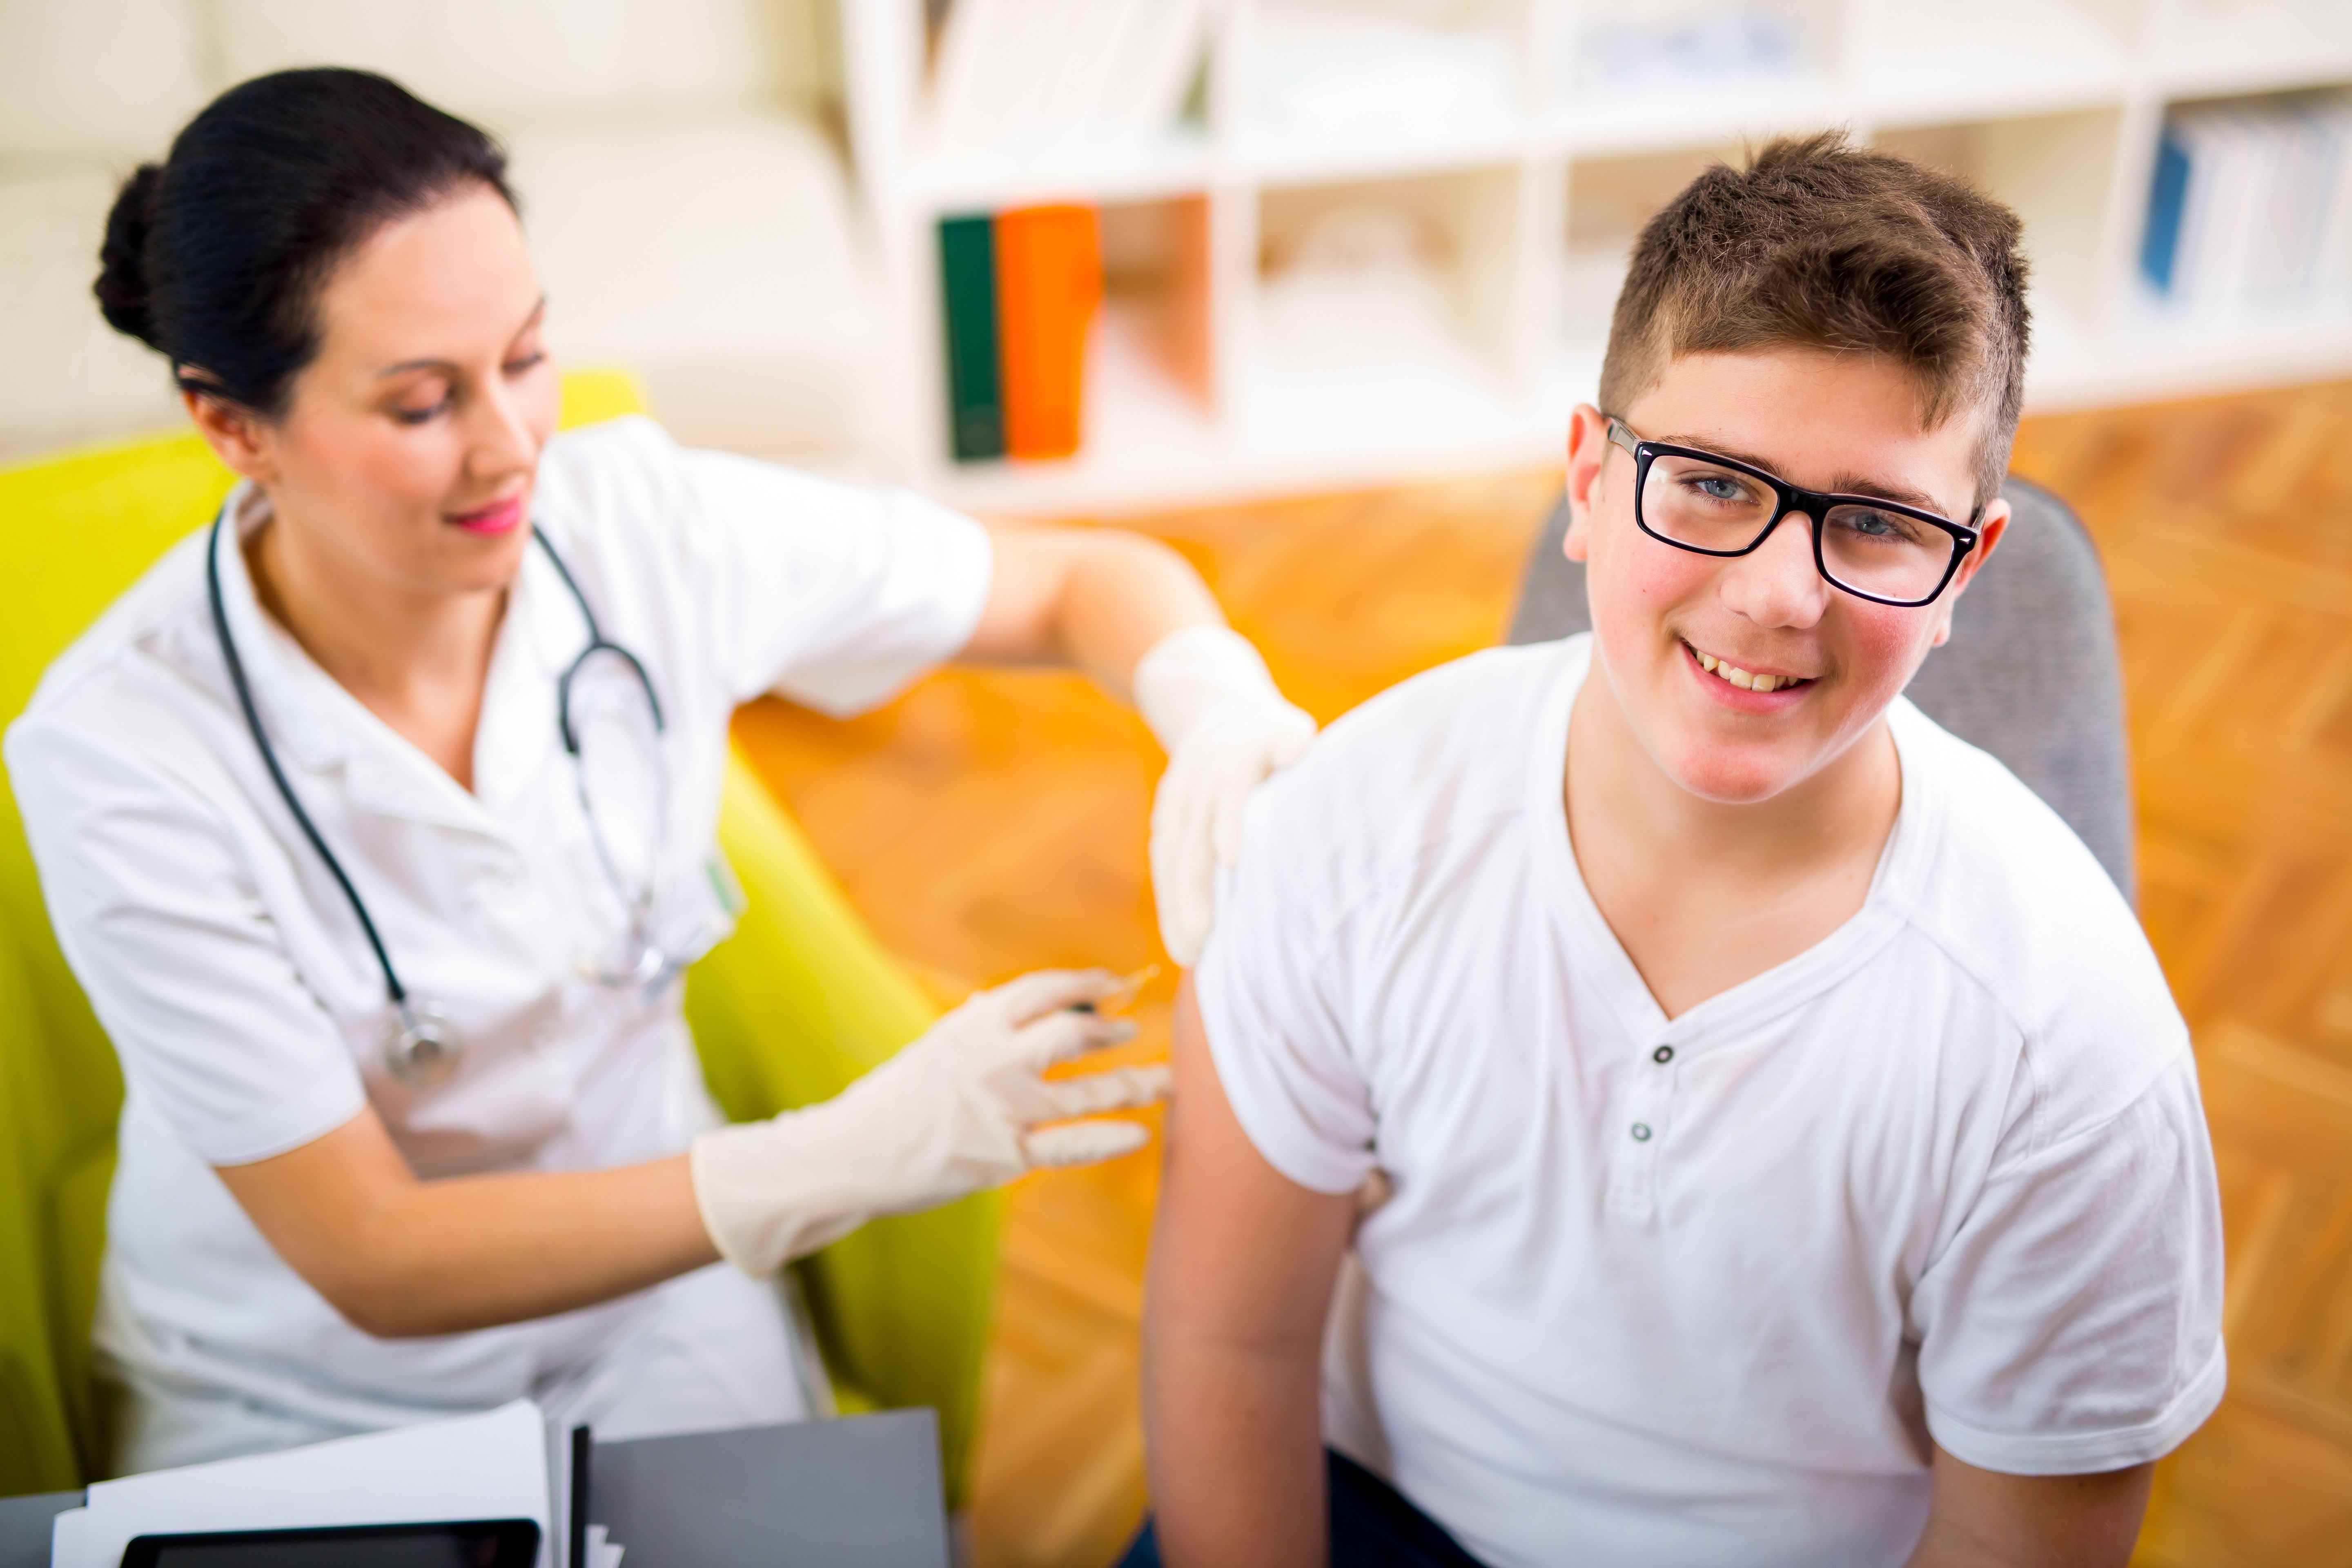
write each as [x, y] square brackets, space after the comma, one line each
[1875, 551]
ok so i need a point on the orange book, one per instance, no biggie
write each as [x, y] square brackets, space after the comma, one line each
[1048, 282]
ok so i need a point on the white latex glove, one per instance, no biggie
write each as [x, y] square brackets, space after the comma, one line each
[958, 1111]
[1224, 725]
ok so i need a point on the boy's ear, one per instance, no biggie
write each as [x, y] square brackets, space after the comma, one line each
[1588, 451]
[1989, 533]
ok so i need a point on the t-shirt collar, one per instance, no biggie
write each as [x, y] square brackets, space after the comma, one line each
[1895, 887]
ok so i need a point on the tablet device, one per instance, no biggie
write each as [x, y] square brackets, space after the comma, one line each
[464, 1543]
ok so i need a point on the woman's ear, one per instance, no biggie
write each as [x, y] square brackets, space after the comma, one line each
[238, 437]
[1588, 451]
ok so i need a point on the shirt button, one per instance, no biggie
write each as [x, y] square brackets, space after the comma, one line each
[1641, 1132]
[1663, 1055]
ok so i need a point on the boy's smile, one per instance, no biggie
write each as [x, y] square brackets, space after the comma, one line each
[1743, 676]
[1756, 683]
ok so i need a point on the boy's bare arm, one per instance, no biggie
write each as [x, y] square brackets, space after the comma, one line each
[1242, 1270]
[1982, 1519]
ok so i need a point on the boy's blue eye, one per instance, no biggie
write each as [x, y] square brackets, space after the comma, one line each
[1893, 528]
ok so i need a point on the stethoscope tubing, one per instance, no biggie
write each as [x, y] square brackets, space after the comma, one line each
[236, 679]
[427, 1037]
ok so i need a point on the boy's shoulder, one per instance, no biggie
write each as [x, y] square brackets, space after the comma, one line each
[1444, 748]
[2014, 899]
[1394, 793]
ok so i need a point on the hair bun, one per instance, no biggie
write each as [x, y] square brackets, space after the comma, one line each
[121, 285]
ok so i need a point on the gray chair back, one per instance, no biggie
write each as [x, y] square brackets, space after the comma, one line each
[2030, 674]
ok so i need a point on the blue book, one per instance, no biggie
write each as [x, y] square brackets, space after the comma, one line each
[2168, 196]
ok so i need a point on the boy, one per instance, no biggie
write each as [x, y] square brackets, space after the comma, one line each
[1792, 1154]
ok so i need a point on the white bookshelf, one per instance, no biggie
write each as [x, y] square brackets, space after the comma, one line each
[1526, 193]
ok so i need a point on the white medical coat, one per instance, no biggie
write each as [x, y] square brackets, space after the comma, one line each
[233, 976]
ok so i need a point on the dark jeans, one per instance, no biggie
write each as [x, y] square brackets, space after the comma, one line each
[1372, 1526]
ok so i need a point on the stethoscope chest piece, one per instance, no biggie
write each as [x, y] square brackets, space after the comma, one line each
[420, 1048]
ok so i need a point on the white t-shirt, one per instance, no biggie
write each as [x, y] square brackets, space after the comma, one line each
[1700, 1291]
[235, 981]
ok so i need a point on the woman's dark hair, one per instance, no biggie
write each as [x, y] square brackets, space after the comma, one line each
[216, 257]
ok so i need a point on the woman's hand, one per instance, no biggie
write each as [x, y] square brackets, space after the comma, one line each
[1207, 695]
[1134, 615]
[961, 1108]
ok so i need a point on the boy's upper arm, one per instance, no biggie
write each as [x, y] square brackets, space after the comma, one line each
[1244, 1254]
[1273, 1126]
[1275, 988]
[1983, 1517]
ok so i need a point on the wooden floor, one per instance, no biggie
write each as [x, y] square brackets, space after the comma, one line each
[988, 823]
[2227, 531]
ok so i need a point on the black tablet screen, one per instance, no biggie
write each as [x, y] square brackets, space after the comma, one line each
[474, 1543]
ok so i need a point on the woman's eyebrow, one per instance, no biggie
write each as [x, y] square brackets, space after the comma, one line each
[449, 367]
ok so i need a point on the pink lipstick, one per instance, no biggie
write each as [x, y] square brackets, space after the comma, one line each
[498, 516]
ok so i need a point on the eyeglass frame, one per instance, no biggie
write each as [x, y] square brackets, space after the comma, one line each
[1814, 504]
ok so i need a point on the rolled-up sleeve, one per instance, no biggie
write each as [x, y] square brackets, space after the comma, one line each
[1268, 987]
[835, 595]
[2074, 1324]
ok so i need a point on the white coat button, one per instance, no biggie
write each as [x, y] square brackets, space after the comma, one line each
[1641, 1132]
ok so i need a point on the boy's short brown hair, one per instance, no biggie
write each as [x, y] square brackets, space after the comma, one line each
[1821, 244]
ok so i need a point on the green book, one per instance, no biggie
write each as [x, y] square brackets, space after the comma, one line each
[975, 376]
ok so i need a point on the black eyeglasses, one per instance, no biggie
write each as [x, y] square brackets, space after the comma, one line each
[1877, 550]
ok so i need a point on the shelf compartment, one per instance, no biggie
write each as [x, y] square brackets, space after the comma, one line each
[1608, 200]
[1353, 269]
[1387, 321]
[1158, 299]
[1928, 61]
[1176, 166]
[2059, 172]
[1334, 88]
[1657, 78]
[1150, 383]
[2196, 49]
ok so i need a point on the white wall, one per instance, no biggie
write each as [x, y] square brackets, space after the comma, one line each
[686, 201]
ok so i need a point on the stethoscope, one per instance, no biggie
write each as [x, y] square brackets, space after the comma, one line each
[421, 1048]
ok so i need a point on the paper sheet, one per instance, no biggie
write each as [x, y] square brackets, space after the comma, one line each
[492, 1466]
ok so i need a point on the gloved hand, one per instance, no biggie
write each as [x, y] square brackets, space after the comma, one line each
[956, 1111]
[1224, 725]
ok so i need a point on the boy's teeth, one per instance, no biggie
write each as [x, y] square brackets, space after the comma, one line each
[1741, 677]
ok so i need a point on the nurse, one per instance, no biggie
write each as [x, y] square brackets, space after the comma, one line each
[378, 822]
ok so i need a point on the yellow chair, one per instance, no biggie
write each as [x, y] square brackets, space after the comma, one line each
[801, 1001]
